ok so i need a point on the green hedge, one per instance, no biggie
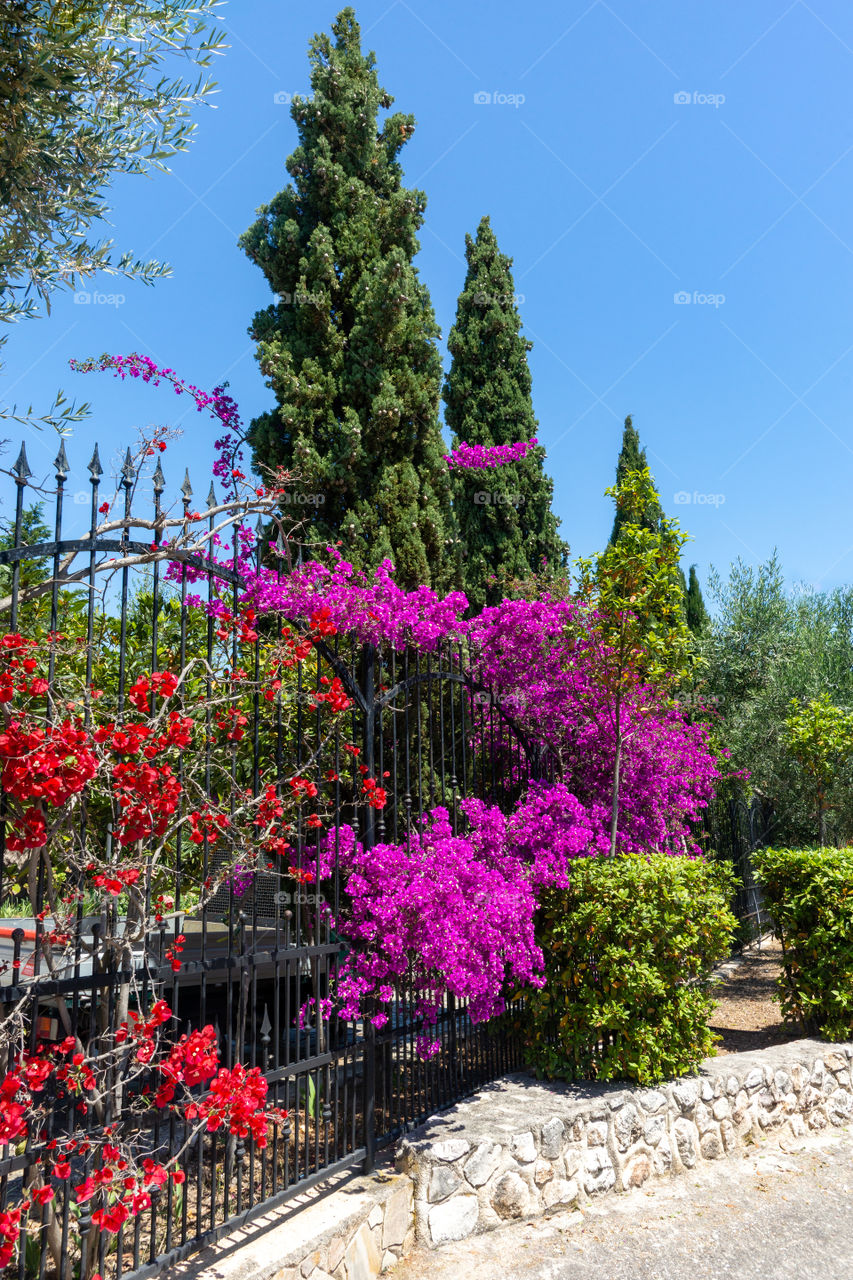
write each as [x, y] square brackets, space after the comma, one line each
[809, 895]
[628, 951]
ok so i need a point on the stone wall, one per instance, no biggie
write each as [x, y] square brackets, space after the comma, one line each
[352, 1230]
[522, 1148]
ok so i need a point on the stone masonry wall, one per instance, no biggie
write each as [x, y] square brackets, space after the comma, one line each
[353, 1230]
[522, 1148]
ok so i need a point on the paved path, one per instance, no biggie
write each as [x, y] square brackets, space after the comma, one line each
[773, 1215]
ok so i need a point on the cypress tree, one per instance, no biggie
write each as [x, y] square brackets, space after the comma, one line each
[350, 348]
[632, 457]
[506, 526]
[698, 618]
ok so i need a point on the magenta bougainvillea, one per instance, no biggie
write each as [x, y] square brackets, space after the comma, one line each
[478, 457]
[373, 608]
[453, 911]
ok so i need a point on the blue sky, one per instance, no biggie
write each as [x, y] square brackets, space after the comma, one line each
[629, 153]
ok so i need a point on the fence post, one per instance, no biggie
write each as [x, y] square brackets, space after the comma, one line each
[369, 692]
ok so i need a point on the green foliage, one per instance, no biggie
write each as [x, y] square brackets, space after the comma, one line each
[349, 347]
[632, 457]
[820, 736]
[766, 646]
[504, 517]
[34, 612]
[629, 947]
[809, 894]
[84, 98]
[698, 618]
[635, 587]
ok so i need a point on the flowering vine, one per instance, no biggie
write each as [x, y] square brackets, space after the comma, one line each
[478, 457]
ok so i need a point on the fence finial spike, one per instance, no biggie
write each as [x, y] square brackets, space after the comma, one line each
[266, 1025]
[186, 487]
[211, 496]
[127, 470]
[60, 462]
[259, 527]
[158, 478]
[21, 468]
[95, 468]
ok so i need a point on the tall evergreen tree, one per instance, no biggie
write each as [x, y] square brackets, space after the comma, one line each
[697, 615]
[350, 347]
[506, 525]
[632, 457]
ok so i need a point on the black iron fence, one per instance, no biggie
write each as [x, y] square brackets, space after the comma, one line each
[249, 957]
[732, 828]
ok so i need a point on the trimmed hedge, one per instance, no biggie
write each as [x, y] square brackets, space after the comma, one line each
[809, 895]
[629, 947]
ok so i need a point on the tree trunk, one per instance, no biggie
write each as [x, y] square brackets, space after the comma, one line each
[617, 768]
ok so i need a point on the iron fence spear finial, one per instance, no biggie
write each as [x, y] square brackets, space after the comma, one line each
[60, 463]
[95, 469]
[21, 469]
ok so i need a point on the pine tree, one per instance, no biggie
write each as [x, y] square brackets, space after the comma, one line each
[632, 457]
[350, 346]
[698, 618]
[506, 526]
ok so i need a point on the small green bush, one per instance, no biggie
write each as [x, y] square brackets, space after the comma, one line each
[809, 894]
[628, 951]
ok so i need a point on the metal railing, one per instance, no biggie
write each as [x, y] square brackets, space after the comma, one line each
[251, 960]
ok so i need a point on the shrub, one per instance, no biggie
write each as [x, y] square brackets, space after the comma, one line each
[809, 894]
[629, 946]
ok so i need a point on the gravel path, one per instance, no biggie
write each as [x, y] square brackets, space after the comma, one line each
[748, 1015]
[773, 1215]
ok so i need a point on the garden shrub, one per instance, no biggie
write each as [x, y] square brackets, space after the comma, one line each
[809, 894]
[629, 946]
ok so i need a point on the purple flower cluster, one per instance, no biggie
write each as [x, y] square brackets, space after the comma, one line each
[454, 913]
[476, 457]
[374, 609]
[441, 913]
[544, 658]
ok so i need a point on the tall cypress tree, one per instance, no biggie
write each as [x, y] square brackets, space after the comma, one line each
[632, 457]
[698, 618]
[350, 348]
[506, 525]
